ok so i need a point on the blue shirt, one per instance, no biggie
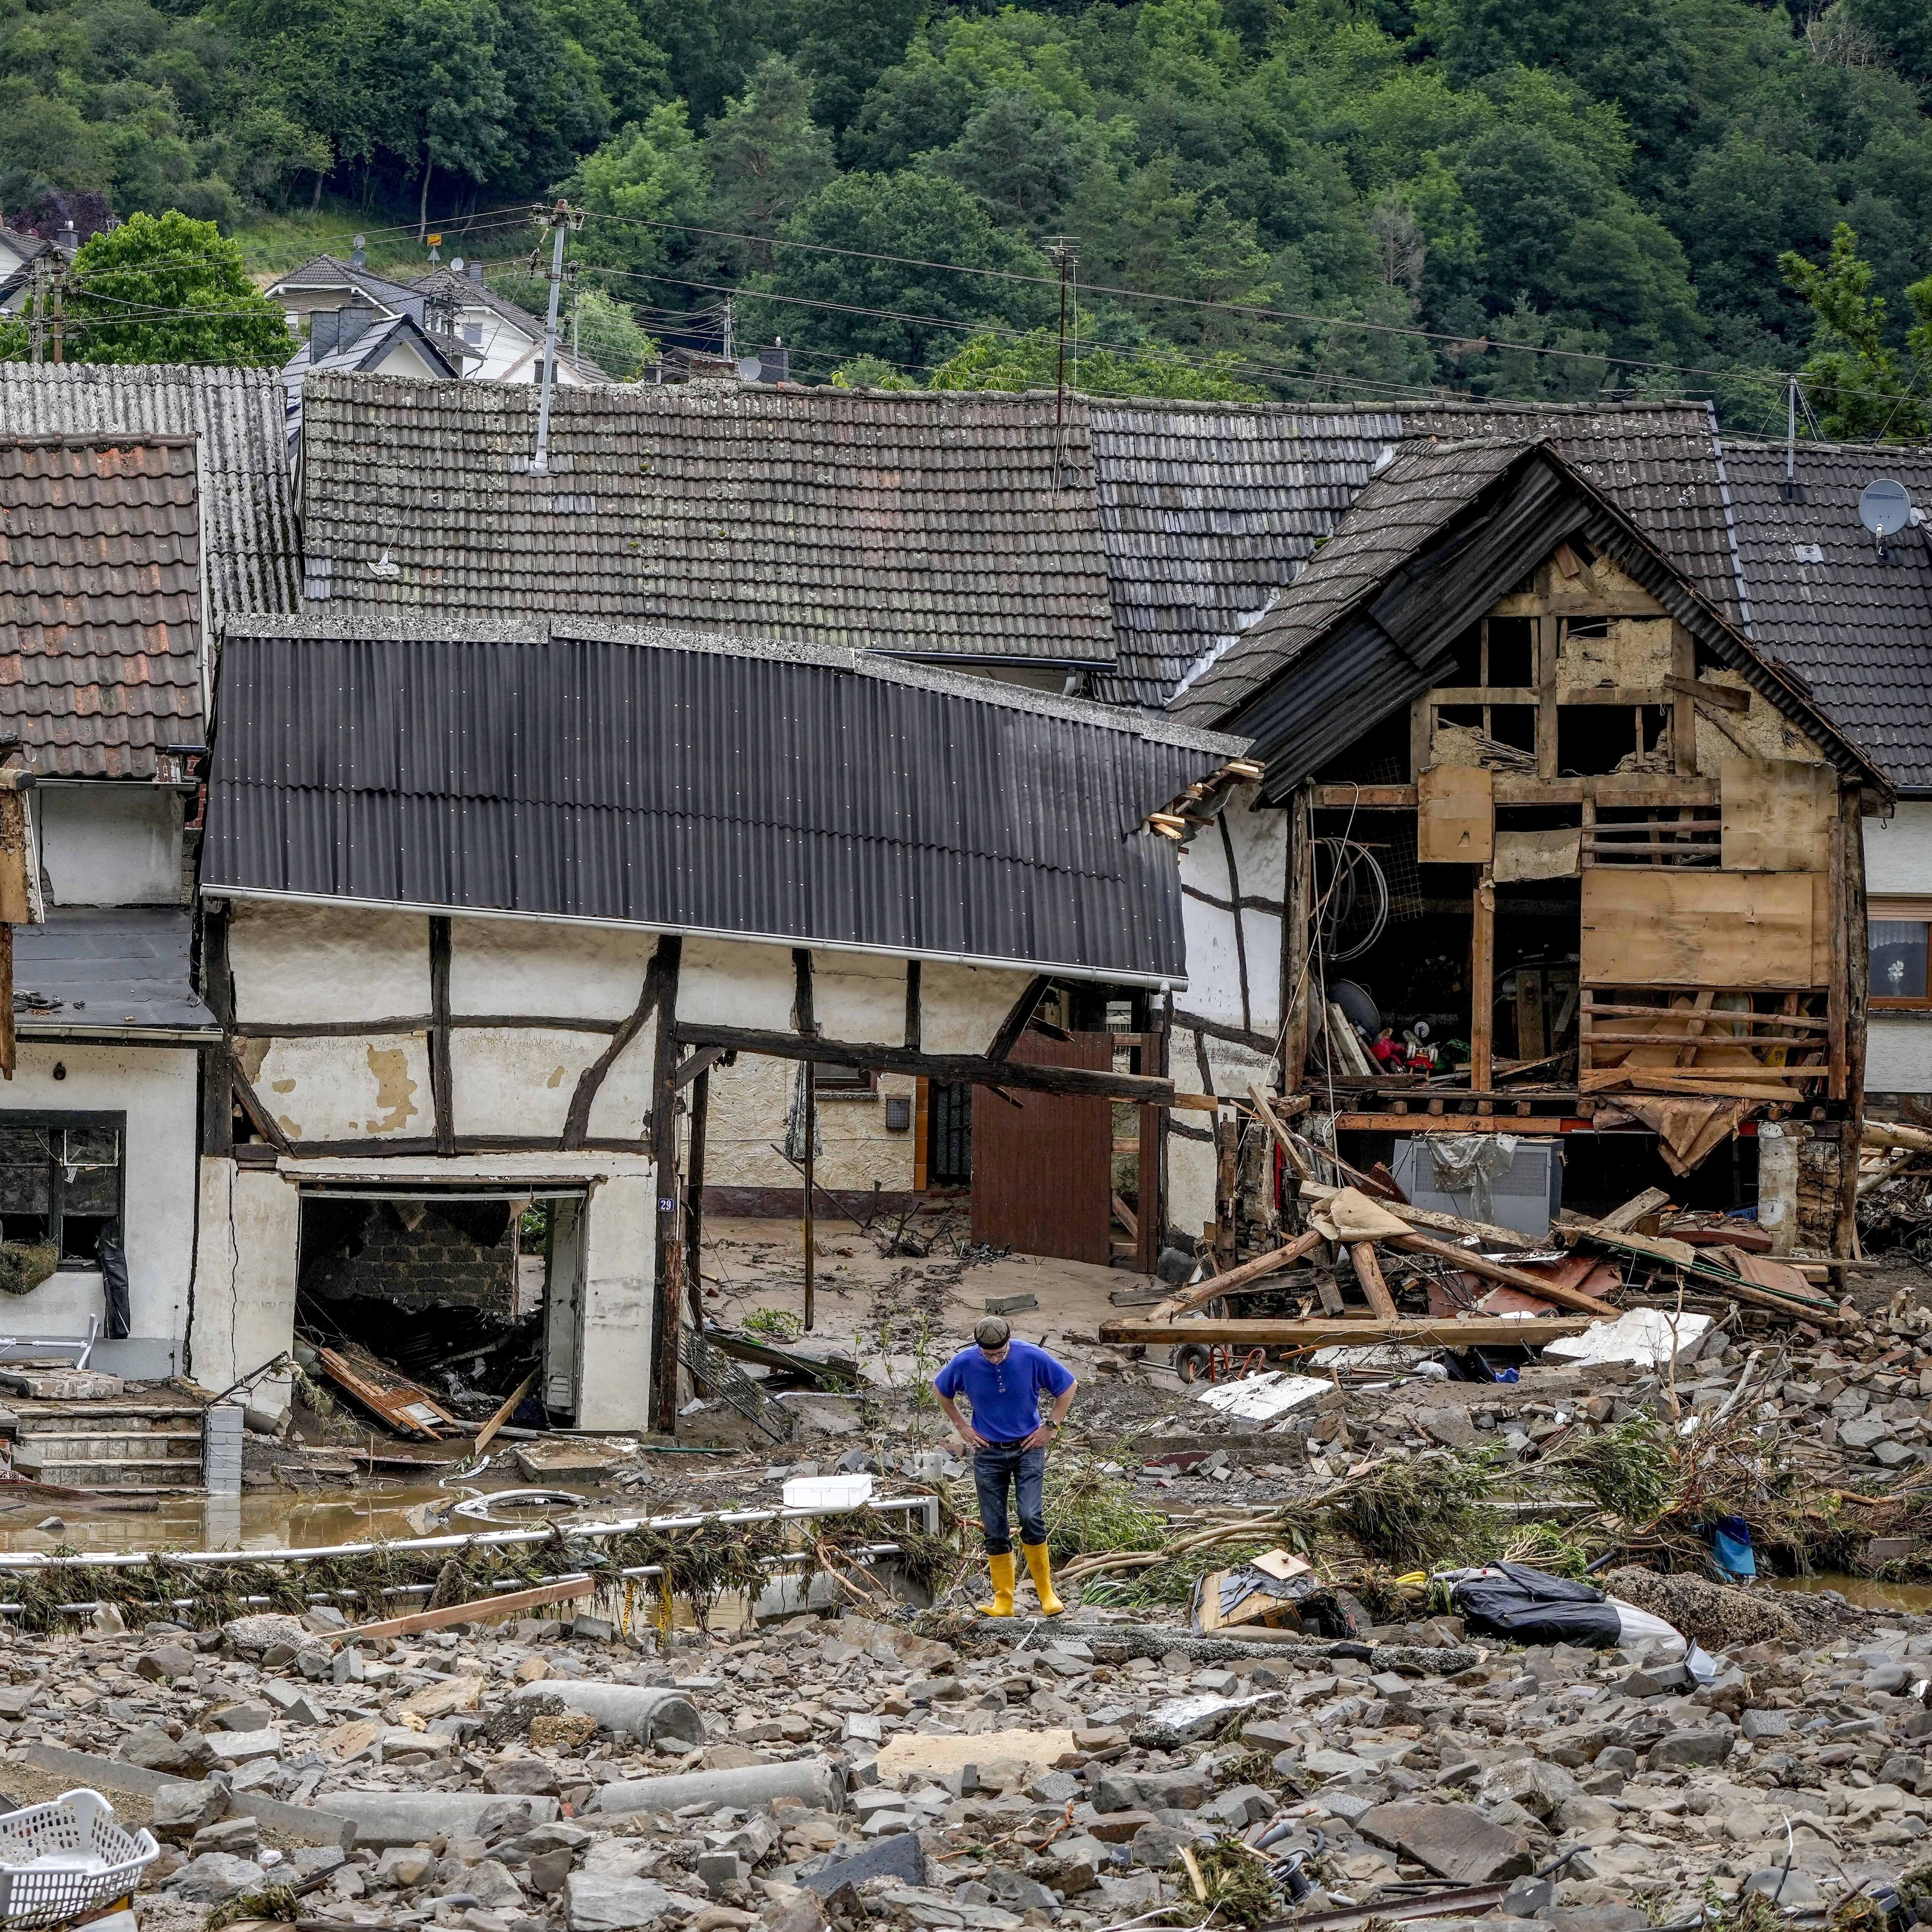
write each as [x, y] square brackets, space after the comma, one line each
[1005, 1395]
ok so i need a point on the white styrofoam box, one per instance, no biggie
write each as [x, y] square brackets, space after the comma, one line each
[827, 1492]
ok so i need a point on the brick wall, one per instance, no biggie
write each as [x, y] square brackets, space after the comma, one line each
[464, 1255]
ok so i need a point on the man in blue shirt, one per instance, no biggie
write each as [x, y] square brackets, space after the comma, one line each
[1002, 1379]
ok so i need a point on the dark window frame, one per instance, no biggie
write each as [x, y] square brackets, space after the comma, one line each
[1875, 915]
[64, 1120]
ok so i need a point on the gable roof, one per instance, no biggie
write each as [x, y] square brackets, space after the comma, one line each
[459, 292]
[1818, 596]
[937, 525]
[249, 540]
[1208, 510]
[570, 770]
[100, 601]
[1429, 544]
[330, 272]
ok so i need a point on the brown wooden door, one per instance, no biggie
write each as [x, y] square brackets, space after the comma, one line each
[1041, 1174]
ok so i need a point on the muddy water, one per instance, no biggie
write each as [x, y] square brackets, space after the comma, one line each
[1915, 1598]
[268, 1520]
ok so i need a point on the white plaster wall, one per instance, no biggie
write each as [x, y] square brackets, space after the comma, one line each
[502, 966]
[1898, 851]
[622, 1108]
[1190, 1180]
[517, 1080]
[244, 1299]
[620, 1247]
[1231, 1069]
[156, 1087]
[961, 1008]
[859, 996]
[749, 1101]
[110, 844]
[320, 963]
[362, 1085]
[727, 983]
[1260, 840]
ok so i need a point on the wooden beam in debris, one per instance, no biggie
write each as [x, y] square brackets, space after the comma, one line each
[1464, 1332]
[1529, 1284]
[508, 1604]
[969, 1068]
[406, 1407]
[1249, 1273]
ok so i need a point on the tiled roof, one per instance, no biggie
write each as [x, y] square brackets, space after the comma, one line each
[1820, 600]
[331, 271]
[1421, 490]
[948, 525]
[99, 601]
[1206, 511]
[247, 515]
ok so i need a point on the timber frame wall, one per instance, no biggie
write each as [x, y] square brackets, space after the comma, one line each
[1722, 946]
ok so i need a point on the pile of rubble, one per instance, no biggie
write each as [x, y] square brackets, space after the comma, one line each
[539, 1775]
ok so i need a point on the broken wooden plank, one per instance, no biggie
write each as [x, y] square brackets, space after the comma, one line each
[1487, 1232]
[1463, 1332]
[1478, 1264]
[1368, 1273]
[1455, 815]
[1215, 1285]
[487, 1434]
[1291, 1148]
[406, 1407]
[510, 1601]
[1633, 1210]
[1680, 1256]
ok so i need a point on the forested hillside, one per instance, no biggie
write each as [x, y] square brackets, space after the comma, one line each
[1327, 199]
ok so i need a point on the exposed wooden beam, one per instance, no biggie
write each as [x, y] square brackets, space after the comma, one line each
[1466, 1332]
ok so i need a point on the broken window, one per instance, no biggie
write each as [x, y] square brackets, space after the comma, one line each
[60, 1180]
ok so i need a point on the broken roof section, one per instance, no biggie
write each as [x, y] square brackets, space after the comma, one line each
[567, 770]
[101, 601]
[1427, 546]
[1820, 597]
[119, 969]
[248, 534]
[947, 527]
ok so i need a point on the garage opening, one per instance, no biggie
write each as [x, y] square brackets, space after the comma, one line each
[467, 1294]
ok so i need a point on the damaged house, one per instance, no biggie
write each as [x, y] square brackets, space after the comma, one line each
[1565, 857]
[486, 904]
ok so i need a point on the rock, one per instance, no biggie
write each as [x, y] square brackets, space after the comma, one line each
[215, 1877]
[1156, 1845]
[565, 1459]
[291, 1705]
[165, 1663]
[1450, 1427]
[1454, 1841]
[1790, 1888]
[1864, 1431]
[521, 1777]
[1756, 1724]
[492, 1884]
[1016, 1892]
[801, 1912]
[152, 1749]
[1539, 1788]
[227, 1749]
[257, 1636]
[181, 1810]
[242, 1836]
[591, 1903]
[1183, 1720]
[1689, 1747]
[548, 1870]
[244, 1717]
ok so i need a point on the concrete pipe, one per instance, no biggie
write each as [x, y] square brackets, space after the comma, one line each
[816, 1781]
[644, 1712]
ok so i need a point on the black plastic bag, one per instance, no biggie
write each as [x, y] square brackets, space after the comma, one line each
[1531, 1607]
[113, 1259]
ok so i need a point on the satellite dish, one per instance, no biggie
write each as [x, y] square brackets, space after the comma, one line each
[456, 263]
[1884, 508]
[750, 368]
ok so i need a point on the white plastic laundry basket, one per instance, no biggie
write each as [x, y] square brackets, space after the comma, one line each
[60, 1860]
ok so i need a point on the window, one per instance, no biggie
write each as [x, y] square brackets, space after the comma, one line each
[60, 1180]
[1899, 957]
[834, 1078]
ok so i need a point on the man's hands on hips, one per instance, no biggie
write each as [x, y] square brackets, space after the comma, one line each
[1041, 1439]
[971, 1436]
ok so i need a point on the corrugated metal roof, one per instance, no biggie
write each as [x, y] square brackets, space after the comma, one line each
[1857, 629]
[935, 525]
[248, 528]
[100, 601]
[574, 771]
[109, 968]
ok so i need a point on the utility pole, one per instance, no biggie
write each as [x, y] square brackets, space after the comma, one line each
[1792, 494]
[60, 318]
[1065, 252]
[731, 319]
[559, 219]
[36, 327]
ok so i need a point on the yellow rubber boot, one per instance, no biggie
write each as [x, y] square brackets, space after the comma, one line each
[1002, 1571]
[1040, 1563]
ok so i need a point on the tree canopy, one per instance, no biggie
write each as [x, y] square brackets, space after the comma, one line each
[1346, 199]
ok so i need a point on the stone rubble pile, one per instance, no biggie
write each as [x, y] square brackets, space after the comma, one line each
[545, 1777]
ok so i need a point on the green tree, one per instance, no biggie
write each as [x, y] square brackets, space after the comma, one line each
[897, 309]
[166, 289]
[845, 45]
[651, 177]
[1021, 158]
[454, 109]
[766, 156]
[1032, 361]
[1855, 381]
[606, 331]
[633, 73]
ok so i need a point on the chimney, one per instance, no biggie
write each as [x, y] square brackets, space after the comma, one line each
[322, 331]
[352, 323]
[476, 273]
[774, 363]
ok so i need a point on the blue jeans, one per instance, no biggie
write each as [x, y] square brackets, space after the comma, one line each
[994, 1467]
